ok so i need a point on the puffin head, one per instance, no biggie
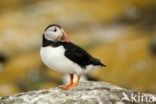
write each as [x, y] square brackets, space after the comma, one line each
[55, 32]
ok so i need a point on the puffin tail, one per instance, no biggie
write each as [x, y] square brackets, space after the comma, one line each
[103, 65]
[97, 62]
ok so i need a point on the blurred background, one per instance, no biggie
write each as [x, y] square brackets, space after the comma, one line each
[122, 33]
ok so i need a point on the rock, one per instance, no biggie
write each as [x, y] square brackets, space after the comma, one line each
[86, 93]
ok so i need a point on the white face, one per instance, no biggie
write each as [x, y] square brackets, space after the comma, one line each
[53, 33]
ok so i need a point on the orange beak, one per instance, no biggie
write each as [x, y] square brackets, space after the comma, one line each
[65, 37]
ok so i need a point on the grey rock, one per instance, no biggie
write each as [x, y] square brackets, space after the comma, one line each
[86, 93]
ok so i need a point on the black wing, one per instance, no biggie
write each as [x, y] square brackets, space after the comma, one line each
[79, 55]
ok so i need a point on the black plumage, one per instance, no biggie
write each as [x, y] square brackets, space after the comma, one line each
[52, 25]
[74, 53]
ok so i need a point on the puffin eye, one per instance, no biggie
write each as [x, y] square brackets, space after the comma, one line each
[55, 30]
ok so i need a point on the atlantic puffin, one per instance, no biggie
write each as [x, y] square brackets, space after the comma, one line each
[62, 55]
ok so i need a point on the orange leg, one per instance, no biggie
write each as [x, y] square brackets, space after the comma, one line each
[72, 82]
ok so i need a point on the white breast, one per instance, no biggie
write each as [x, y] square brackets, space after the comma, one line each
[54, 58]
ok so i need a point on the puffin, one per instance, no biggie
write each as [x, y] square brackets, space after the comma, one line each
[60, 54]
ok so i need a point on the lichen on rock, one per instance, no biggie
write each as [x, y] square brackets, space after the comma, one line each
[86, 93]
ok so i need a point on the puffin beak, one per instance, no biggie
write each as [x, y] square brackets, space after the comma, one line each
[65, 37]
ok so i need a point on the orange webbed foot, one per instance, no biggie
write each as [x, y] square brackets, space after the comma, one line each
[68, 87]
[72, 83]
